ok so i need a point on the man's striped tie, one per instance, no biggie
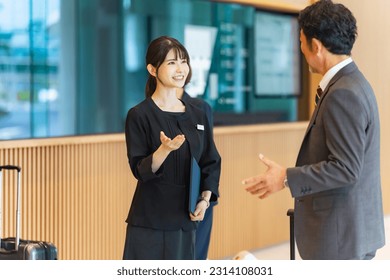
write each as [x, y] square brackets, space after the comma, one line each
[318, 95]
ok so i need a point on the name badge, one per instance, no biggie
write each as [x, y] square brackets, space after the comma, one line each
[200, 126]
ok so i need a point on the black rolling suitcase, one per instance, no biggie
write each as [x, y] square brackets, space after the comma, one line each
[14, 248]
[290, 213]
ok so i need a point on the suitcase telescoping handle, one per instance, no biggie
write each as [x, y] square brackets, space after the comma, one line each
[290, 213]
[11, 167]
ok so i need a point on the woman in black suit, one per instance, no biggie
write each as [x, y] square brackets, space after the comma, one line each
[163, 133]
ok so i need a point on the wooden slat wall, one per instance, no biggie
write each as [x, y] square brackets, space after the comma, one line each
[75, 195]
[77, 191]
[278, 5]
[373, 59]
[242, 221]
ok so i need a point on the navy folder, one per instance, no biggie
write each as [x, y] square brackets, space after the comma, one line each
[194, 185]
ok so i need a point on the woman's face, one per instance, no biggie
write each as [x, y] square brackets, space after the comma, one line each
[173, 71]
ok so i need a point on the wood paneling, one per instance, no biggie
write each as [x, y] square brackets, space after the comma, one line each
[242, 221]
[277, 5]
[77, 191]
[371, 53]
[74, 193]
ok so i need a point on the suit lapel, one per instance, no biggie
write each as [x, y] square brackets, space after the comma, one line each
[343, 71]
[188, 126]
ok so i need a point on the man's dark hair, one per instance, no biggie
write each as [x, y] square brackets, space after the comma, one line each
[332, 24]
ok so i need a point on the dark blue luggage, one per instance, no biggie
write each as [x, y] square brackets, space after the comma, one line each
[27, 250]
[14, 248]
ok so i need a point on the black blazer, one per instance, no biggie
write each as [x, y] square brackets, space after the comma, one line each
[201, 104]
[158, 202]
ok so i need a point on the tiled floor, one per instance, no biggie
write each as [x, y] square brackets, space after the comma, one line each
[282, 251]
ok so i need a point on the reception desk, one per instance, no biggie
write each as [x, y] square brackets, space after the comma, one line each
[76, 191]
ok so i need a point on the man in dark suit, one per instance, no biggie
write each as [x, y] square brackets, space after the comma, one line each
[336, 183]
[203, 232]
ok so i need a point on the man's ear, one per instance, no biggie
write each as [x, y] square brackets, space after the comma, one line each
[151, 70]
[316, 45]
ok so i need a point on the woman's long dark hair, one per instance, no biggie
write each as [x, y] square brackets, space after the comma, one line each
[156, 54]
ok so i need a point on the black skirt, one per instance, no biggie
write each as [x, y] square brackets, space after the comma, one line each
[153, 244]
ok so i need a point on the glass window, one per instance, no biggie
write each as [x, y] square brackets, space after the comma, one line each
[29, 53]
[222, 43]
[76, 67]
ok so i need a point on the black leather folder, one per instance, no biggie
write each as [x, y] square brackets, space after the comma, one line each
[194, 185]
